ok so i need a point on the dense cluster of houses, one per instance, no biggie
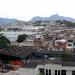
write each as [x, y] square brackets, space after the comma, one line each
[50, 37]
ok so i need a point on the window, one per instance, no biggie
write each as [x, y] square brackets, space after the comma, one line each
[73, 72]
[55, 72]
[70, 40]
[63, 72]
[58, 72]
[46, 71]
[42, 71]
[69, 45]
[49, 72]
[74, 43]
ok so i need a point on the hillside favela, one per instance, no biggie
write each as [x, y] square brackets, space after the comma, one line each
[41, 46]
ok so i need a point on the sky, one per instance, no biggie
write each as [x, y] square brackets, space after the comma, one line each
[26, 9]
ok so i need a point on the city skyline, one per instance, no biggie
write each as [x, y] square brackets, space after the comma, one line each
[26, 9]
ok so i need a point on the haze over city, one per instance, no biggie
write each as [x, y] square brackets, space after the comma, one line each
[26, 9]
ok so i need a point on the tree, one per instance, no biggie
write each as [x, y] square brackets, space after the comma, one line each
[66, 56]
[21, 38]
[38, 23]
[3, 41]
[67, 23]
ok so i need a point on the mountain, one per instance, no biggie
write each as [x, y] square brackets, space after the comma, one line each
[52, 18]
[4, 21]
[18, 23]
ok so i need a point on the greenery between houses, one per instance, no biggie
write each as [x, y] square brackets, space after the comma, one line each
[3, 41]
[21, 38]
[65, 56]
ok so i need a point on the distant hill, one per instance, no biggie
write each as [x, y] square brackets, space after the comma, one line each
[18, 23]
[52, 18]
[4, 21]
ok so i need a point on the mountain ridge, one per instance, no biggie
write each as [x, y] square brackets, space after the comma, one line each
[4, 21]
[55, 17]
[52, 18]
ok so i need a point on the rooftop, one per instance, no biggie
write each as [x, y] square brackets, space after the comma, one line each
[34, 62]
[17, 52]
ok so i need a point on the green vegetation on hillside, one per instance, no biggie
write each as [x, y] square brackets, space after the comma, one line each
[67, 23]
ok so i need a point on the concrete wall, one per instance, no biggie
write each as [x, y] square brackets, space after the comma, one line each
[68, 72]
[26, 71]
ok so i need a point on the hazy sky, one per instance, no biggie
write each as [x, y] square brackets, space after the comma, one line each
[26, 9]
